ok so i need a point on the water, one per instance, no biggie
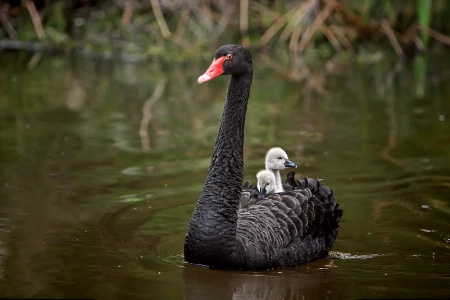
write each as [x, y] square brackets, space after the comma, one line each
[94, 207]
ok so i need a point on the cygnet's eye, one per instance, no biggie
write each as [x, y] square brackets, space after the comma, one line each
[229, 56]
[280, 157]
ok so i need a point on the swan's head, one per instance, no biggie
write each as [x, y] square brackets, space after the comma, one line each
[229, 60]
[265, 182]
[277, 159]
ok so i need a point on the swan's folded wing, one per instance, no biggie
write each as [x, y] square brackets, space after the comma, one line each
[276, 220]
[248, 193]
[308, 209]
[328, 207]
[328, 203]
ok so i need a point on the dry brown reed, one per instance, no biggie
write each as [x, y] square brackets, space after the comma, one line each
[297, 27]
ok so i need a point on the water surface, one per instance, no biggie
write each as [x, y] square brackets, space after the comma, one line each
[95, 199]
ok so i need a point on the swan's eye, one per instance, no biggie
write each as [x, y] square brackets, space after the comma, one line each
[229, 56]
[280, 157]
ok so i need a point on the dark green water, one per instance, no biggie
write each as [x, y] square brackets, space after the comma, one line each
[92, 207]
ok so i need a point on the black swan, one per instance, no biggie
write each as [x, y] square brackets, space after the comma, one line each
[281, 230]
[276, 160]
[265, 183]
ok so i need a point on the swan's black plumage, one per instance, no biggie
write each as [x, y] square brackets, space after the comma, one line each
[248, 193]
[281, 230]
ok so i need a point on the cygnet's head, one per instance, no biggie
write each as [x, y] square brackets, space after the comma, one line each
[277, 159]
[265, 182]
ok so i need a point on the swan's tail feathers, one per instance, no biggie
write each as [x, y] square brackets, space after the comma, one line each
[306, 183]
[289, 184]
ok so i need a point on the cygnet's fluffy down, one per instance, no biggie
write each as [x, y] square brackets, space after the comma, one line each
[276, 160]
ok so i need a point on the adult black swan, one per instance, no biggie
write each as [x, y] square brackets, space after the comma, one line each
[281, 230]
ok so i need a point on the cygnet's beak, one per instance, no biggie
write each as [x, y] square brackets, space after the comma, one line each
[262, 192]
[289, 164]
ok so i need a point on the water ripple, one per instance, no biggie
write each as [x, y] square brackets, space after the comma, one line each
[343, 255]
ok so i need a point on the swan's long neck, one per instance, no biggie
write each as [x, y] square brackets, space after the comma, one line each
[212, 230]
[226, 170]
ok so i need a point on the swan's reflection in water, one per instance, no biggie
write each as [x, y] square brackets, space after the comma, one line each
[314, 281]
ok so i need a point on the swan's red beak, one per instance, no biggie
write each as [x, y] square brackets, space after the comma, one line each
[214, 70]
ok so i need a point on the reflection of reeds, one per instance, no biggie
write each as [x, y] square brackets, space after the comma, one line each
[392, 121]
[147, 113]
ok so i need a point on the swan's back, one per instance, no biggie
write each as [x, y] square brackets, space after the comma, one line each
[288, 229]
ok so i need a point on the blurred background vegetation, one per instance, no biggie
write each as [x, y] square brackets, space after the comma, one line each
[135, 30]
